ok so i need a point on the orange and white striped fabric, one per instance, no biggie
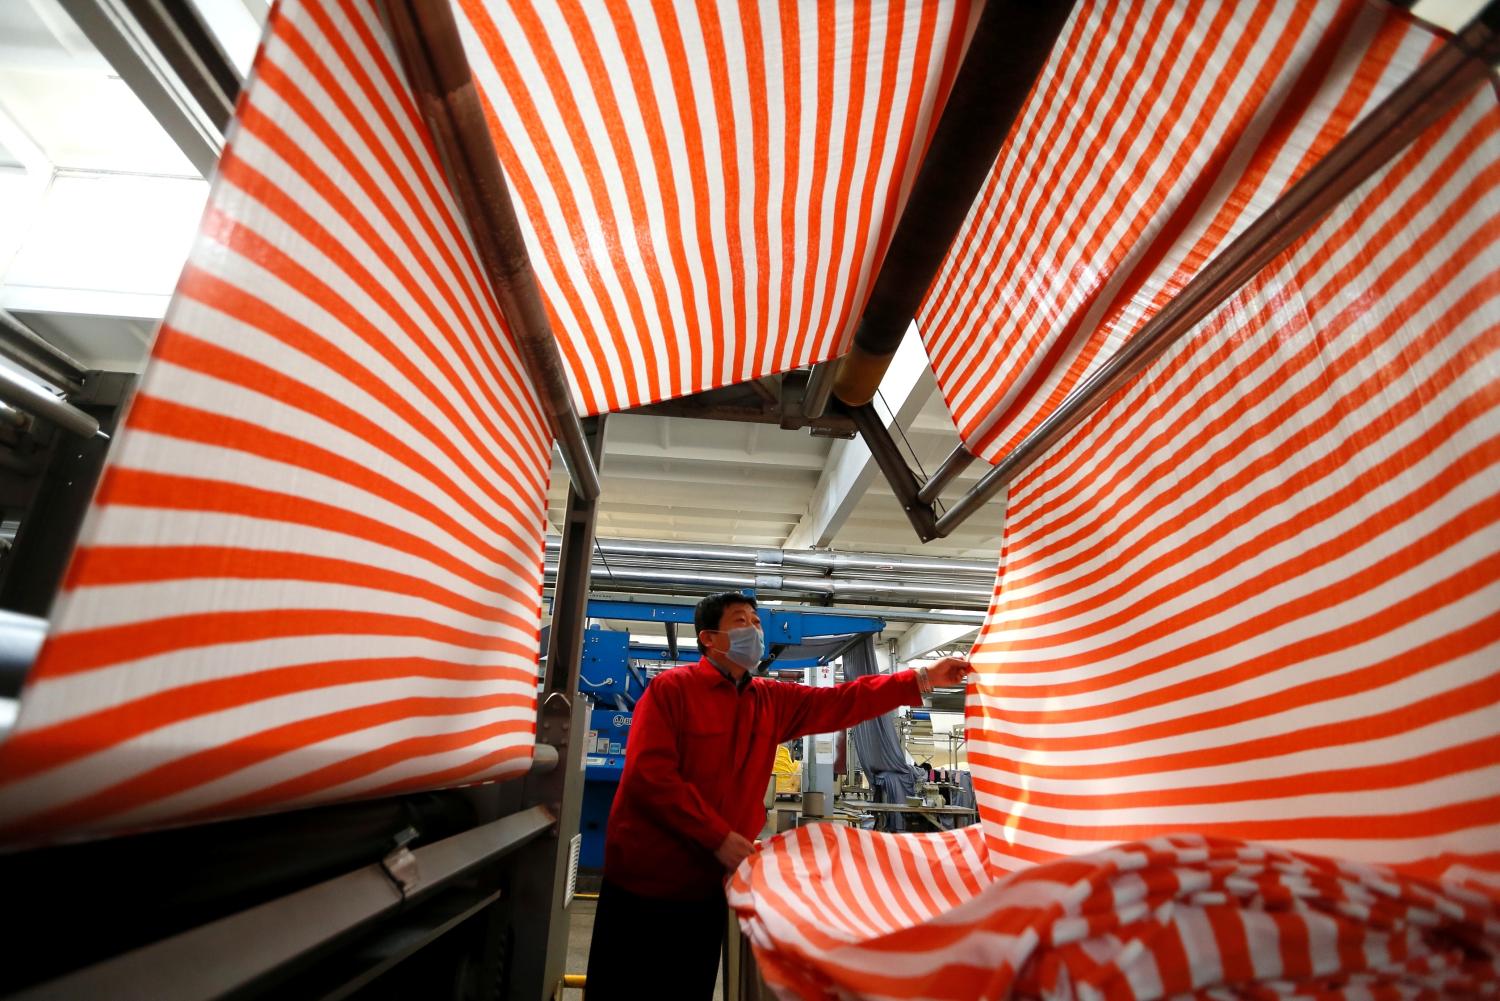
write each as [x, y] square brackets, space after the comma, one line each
[313, 570]
[1255, 595]
[1158, 131]
[1250, 599]
[708, 189]
[1171, 917]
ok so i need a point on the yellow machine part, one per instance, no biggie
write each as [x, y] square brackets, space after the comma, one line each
[788, 772]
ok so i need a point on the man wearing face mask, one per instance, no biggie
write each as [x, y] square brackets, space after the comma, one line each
[691, 799]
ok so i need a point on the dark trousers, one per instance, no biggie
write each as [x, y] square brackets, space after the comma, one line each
[644, 947]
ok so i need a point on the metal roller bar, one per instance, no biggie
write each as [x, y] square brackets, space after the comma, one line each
[819, 389]
[438, 71]
[1433, 89]
[22, 345]
[233, 953]
[32, 398]
[1010, 46]
[957, 461]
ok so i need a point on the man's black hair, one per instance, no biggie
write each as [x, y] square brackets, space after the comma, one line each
[710, 610]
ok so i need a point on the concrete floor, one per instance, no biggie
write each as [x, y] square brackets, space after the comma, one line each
[581, 932]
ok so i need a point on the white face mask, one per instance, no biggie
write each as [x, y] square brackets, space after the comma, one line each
[746, 646]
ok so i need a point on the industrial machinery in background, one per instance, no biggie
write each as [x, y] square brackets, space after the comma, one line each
[616, 670]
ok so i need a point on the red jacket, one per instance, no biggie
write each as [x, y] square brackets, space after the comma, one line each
[697, 762]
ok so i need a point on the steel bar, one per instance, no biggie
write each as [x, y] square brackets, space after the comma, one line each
[902, 480]
[1433, 89]
[574, 567]
[1011, 44]
[543, 876]
[438, 71]
[957, 461]
[22, 345]
[32, 398]
[819, 389]
[230, 954]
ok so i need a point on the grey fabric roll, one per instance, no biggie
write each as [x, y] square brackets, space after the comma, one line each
[877, 745]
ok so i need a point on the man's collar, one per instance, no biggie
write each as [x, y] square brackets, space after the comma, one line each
[727, 674]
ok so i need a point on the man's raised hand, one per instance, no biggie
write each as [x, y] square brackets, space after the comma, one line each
[949, 672]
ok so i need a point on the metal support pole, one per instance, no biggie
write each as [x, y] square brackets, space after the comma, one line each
[1433, 89]
[904, 483]
[1010, 46]
[32, 398]
[819, 389]
[957, 461]
[543, 874]
[433, 55]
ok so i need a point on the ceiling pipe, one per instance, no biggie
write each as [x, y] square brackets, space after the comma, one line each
[1432, 90]
[433, 55]
[676, 579]
[971, 618]
[1011, 44]
[768, 557]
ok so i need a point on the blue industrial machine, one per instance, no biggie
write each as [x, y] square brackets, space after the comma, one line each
[614, 674]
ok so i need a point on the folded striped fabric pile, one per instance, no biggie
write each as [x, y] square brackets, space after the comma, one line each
[1158, 918]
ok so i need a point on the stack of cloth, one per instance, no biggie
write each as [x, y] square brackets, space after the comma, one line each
[837, 912]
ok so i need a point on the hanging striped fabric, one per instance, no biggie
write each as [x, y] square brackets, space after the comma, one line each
[1251, 599]
[1158, 131]
[1149, 920]
[1255, 595]
[708, 190]
[313, 569]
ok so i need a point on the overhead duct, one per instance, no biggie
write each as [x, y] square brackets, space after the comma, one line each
[821, 559]
[952, 617]
[867, 578]
[866, 591]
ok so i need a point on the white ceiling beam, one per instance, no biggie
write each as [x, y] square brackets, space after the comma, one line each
[765, 455]
[906, 388]
[929, 636]
[83, 302]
